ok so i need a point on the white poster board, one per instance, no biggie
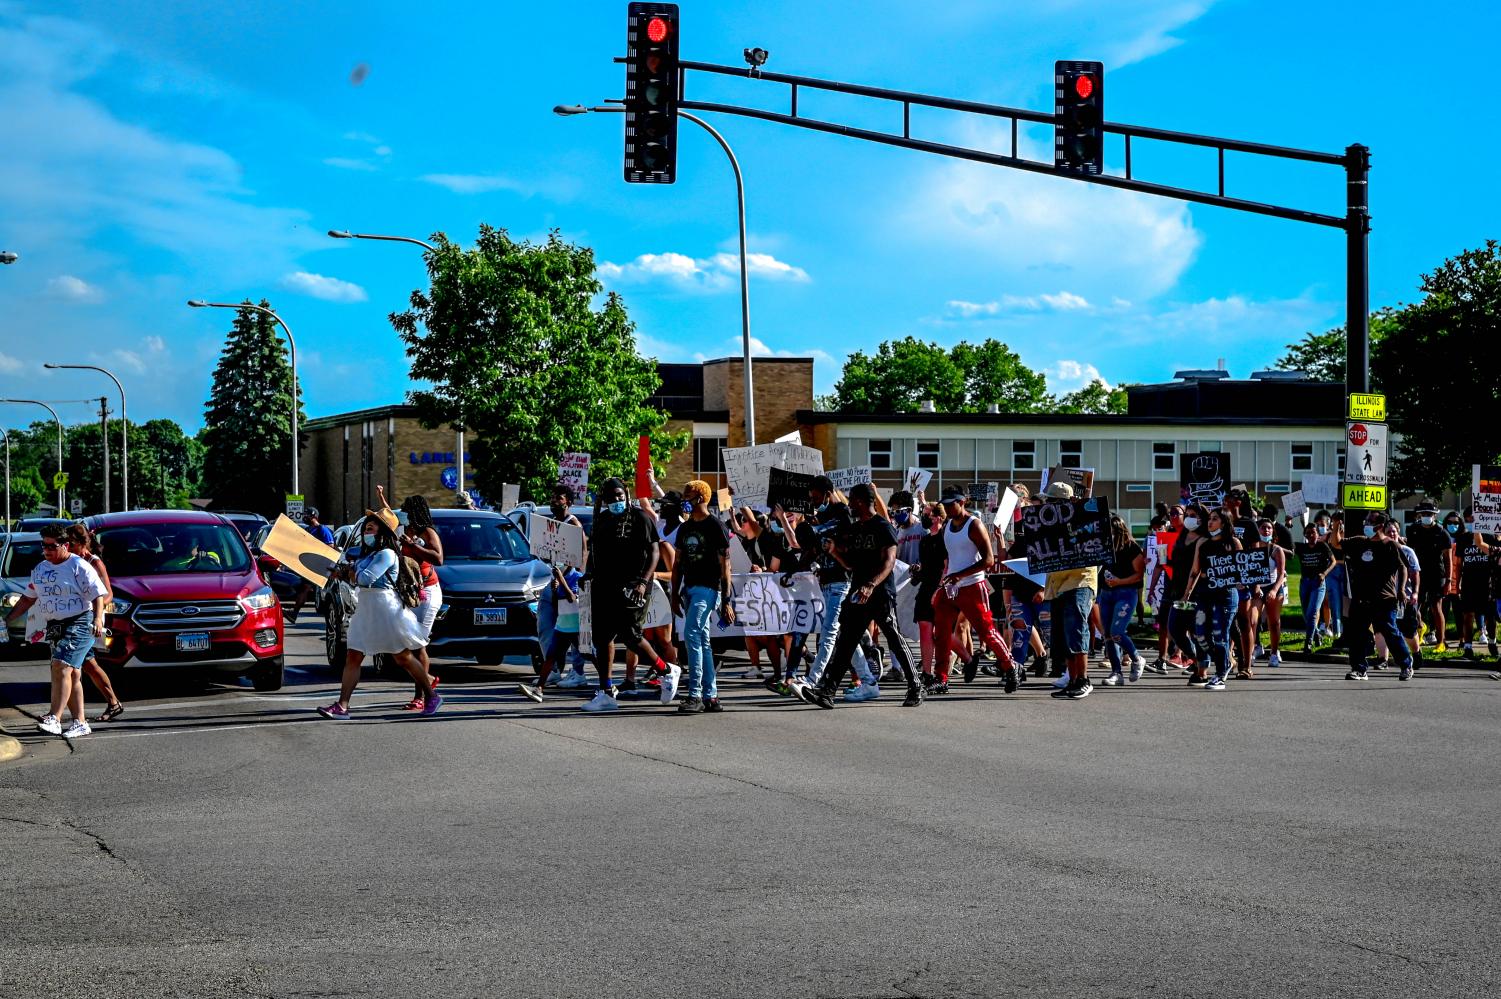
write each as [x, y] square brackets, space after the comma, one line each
[1294, 504]
[1321, 489]
[1487, 512]
[917, 480]
[844, 478]
[555, 542]
[573, 471]
[1005, 514]
[795, 437]
[510, 495]
[747, 468]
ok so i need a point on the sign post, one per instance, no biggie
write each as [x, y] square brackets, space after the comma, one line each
[1364, 487]
[295, 506]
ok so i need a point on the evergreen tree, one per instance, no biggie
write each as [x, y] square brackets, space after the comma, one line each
[247, 420]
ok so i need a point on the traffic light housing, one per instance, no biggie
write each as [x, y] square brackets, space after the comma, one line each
[651, 93]
[1079, 103]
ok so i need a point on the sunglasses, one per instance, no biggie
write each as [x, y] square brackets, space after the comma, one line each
[52, 546]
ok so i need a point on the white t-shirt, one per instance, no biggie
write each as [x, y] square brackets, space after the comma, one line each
[66, 589]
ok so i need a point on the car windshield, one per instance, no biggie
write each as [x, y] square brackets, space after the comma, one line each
[161, 549]
[481, 538]
[21, 557]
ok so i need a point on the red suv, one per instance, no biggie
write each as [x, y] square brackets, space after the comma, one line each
[187, 593]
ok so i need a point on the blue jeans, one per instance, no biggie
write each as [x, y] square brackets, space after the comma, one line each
[1379, 616]
[1334, 596]
[1028, 615]
[1117, 607]
[1311, 592]
[833, 599]
[1219, 614]
[698, 609]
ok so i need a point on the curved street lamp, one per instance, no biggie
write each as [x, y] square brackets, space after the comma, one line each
[38, 402]
[9, 257]
[198, 303]
[124, 432]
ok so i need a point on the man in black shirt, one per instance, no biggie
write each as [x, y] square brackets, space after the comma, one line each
[829, 518]
[701, 583]
[1377, 577]
[622, 558]
[867, 548]
[1434, 549]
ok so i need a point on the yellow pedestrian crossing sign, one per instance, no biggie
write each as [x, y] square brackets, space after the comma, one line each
[59, 480]
[1366, 406]
[1359, 497]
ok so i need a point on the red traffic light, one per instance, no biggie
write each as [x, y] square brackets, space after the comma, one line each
[657, 29]
[1083, 85]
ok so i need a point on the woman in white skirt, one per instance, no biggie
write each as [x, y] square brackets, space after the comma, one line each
[419, 541]
[381, 623]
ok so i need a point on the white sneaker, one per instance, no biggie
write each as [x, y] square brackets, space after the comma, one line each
[670, 681]
[1114, 680]
[50, 725]
[76, 730]
[602, 702]
[573, 681]
[1141, 662]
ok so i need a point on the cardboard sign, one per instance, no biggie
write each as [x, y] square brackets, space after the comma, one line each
[1294, 505]
[1082, 479]
[1235, 569]
[510, 495]
[1203, 475]
[723, 501]
[643, 468]
[1066, 534]
[843, 478]
[746, 468]
[1321, 489]
[789, 490]
[1005, 513]
[573, 471]
[555, 542]
[299, 551]
[917, 480]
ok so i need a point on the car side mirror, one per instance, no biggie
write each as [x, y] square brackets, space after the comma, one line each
[267, 564]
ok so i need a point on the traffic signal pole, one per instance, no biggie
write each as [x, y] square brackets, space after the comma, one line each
[1357, 270]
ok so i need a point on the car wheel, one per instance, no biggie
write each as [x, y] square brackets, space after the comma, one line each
[270, 674]
[334, 646]
[387, 669]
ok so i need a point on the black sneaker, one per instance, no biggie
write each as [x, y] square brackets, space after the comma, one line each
[291, 618]
[1054, 672]
[1081, 688]
[971, 668]
[691, 706]
[1194, 680]
[1356, 674]
[915, 696]
[937, 688]
[711, 705]
[1008, 680]
[823, 698]
[1406, 673]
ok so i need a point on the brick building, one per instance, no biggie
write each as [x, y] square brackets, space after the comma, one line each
[348, 455]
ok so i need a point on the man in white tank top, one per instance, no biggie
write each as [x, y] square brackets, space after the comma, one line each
[965, 591]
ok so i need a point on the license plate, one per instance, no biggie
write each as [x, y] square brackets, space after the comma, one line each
[489, 615]
[196, 641]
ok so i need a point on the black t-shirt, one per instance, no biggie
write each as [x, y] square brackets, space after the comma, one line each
[805, 556]
[864, 544]
[1282, 536]
[1182, 564]
[930, 556]
[1123, 565]
[838, 517]
[1245, 530]
[1373, 567]
[621, 546]
[1474, 567]
[1314, 558]
[700, 545]
[1429, 542]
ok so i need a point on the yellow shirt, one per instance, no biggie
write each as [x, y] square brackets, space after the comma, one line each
[1072, 579]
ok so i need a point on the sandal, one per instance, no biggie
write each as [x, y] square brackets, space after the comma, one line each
[415, 704]
[112, 712]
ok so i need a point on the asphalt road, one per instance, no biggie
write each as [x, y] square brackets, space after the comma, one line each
[1296, 835]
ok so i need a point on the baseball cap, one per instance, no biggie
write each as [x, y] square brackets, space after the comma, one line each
[1059, 490]
[1425, 507]
[953, 494]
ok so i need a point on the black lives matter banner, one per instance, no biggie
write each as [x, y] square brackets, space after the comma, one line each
[1203, 476]
[789, 490]
[1065, 534]
[1235, 569]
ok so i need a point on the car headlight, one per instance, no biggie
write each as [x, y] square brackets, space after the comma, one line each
[532, 592]
[119, 607]
[261, 599]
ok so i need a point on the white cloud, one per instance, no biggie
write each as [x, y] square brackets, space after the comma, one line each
[716, 273]
[74, 289]
[1064, 301]
[9, 365]
[345, 163]
[330, 289]
[474, 183]
[377, 153]
[155, 344]
[1070, 376]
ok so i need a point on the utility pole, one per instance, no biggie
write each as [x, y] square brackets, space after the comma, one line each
[104, 436]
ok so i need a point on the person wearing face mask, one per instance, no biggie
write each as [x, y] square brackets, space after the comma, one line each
[660, 620]
[1315, 563]
[1159, 585]
[1408, 619]
[1263, 603]
[830, 518]
[700, 585]
[1476, 600]
[1218, 606]
[420, 542]
[1183, 618]
[1120, 595]
[559, 506]
[622, 558]
[382, 624]
[1453, 525]
[1435, 551]
[1377, 575]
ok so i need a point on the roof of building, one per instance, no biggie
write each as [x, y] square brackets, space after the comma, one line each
[812, 417]
[360, 416]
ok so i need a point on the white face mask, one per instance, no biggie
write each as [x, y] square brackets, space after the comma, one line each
[1191, 523]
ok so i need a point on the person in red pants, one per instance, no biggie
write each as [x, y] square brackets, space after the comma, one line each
[968, 556]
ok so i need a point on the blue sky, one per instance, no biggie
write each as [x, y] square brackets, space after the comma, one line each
[159, 152]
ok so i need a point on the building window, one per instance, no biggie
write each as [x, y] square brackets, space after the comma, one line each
[880, 454]
[1302, 457]
[1277, 487]
[1024, 455]
[1071, 454]
[927, 454]
[1138, 487]
[1341, 463]
[1164, 456]
[707, 459]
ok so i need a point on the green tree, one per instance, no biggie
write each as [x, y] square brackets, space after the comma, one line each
[174, 470]
[247, 420]
[1094, 399]
[515, 349]
[1436, 364]
[33, 459]
[1322, 355]
[995, 375]
[899, 377]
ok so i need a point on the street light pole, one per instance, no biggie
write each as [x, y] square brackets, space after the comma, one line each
[59, 422]
[124, 433]
[9, 257]
[458, 458]
[567, 110]
[296, 450]
[7, 477]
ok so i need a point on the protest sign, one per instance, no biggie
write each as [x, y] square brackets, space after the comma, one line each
[1485, 479]
[1082, 479]
[1019, 566]
[1202, 475]
[1159, 548]
[643, 468]
[1066, 534]
[1487, 512]
[1294, 504]
[843, 478]
[1005, 514]
[510, 495]
[983, 495]
[917, 480]
[555, 542]
[299, 551]
[723, 501]
[789, 490]
[763, 606]
[586, 619]
[793, 437]
[1321, 489]
[1235, 569]
[573, 471]
[746, 468]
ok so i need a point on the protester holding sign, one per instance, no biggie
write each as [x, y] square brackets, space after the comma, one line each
[420, 542]
[1477, 602]
[1120, 595]
[1071, 590]
[700, 584]
[964, 590]
[1378, 582]
[559, 505]
[564, 596]
[1183, 619]
[1216, 578]
[1263, 601]
[1315, 563]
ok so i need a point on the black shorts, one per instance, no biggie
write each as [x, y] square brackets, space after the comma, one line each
[1476, 601]
[922, 605]
[1408, 621]
[1431, 593]
[613, 621]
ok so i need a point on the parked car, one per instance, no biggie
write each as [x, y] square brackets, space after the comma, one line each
[37, 523]
[248, 524]
[491, 583]
[188, 593]
[19, 553]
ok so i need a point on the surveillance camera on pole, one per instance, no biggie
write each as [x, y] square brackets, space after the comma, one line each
[756, 58]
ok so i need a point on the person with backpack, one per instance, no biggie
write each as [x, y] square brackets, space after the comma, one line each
[383, 623]
[420, 543]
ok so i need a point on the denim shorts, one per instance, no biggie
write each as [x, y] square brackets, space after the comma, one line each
[1071, 615]
[76, 643]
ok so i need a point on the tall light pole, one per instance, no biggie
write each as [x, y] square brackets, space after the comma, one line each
[37, 402]
[124, 433]
[198, 303]
[458, 457]
[567, 110]
[7, 477]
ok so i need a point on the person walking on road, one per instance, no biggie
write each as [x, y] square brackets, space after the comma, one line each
[1378, 581]
[564, 596]
[70, 597]
[1435, 550]
[700, 585]
[382, 623]
[1120, 596]
[1072, 594]
[964, 590]
[314, 526]
[1217, 606]
[80, 542]
[420, 542]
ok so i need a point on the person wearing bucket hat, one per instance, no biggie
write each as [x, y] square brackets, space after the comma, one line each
[382, 624]
[1071, 592]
